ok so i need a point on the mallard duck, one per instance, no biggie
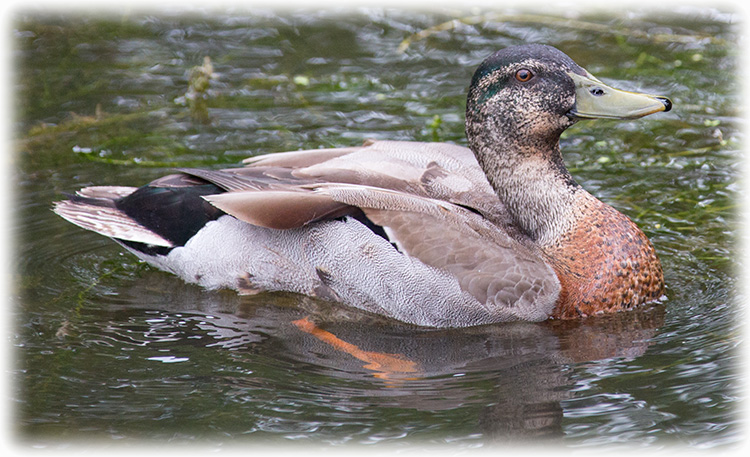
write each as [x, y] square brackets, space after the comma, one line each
[431, 234]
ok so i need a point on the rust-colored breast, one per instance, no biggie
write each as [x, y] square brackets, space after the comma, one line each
[604, 264]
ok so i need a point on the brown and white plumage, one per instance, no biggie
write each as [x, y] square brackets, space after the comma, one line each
[413, 231]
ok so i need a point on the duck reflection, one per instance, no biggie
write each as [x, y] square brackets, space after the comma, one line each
[516, 375]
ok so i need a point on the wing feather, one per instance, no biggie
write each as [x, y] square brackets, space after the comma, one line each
[279, 209]
[499, 270]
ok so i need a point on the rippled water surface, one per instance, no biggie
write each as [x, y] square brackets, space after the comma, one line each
[111, 350]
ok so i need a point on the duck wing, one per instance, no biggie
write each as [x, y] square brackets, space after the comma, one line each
[440, 171]
[503, 273]
[437, 170]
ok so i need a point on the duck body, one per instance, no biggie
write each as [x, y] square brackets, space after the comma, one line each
[431, 234]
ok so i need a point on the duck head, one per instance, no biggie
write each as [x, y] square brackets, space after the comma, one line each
[522, 98]
[520, 101]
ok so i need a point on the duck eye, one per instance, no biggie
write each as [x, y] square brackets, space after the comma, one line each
[524, 74]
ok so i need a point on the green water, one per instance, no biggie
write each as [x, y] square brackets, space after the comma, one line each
[112, 351]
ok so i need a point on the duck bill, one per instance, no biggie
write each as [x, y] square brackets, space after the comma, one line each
[596, 100]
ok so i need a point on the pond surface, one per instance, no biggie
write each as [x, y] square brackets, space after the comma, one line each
[112, 351]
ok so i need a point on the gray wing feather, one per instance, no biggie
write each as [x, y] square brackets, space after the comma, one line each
[279, 209]
[507, 276]
[504, 274]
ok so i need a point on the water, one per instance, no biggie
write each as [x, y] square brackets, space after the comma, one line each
[110, 350]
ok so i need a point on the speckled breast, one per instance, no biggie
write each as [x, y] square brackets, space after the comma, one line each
[604, 263]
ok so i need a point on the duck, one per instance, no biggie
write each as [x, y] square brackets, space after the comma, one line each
[430, 234]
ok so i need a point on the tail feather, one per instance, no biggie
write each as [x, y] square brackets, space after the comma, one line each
[93, 209]
[106, 192]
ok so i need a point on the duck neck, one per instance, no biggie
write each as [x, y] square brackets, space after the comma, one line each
[532, 182]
